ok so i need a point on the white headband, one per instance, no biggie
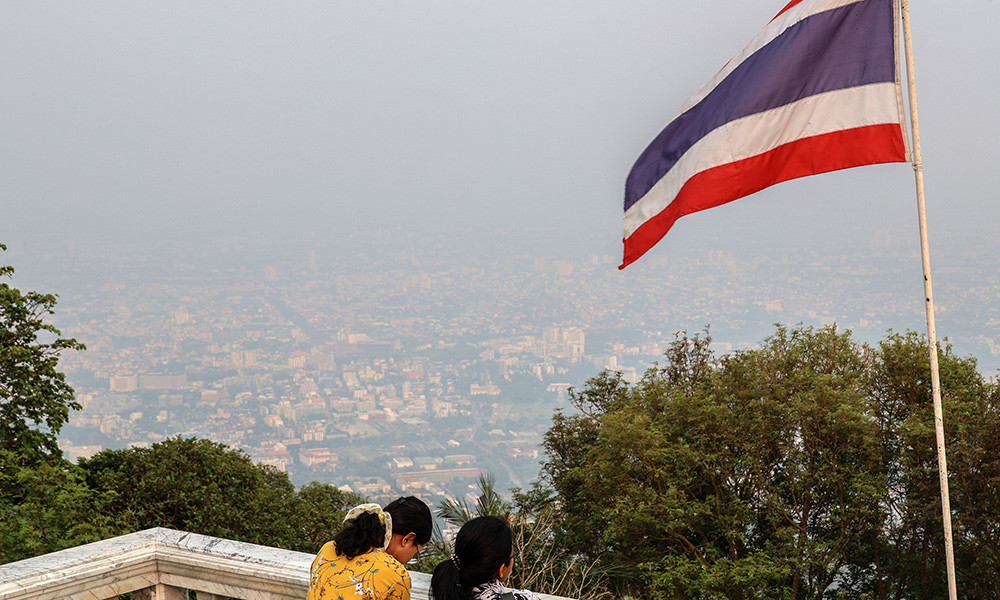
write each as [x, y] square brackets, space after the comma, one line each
[383, 517]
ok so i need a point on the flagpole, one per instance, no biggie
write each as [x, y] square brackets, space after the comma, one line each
[918, 170]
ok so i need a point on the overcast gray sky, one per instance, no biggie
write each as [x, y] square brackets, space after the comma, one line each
[177, 119]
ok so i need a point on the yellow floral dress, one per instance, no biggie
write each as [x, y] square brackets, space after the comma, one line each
[374, 575]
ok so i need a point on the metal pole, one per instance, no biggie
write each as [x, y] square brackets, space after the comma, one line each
[918, 169]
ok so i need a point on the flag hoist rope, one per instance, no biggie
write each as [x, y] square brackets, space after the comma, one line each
[918, 169]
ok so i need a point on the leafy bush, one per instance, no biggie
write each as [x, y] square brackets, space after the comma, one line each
[804, 468]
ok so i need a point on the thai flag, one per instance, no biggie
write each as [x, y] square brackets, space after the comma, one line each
[818, 90]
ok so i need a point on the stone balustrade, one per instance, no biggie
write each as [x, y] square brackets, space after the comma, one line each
[164, 564]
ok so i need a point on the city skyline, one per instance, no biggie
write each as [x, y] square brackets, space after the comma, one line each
[351, 371]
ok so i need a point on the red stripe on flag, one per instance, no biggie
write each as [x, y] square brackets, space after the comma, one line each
[809, 156]
[784, 10]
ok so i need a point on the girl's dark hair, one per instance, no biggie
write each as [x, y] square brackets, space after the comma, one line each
[360, 535]
[482, 546]
[365, 531]
[411, 515]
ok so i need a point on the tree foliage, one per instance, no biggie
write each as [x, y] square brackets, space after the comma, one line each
[196, 485]
[205, 487]
[804, 468]
[49, 507]
[35, 399]
[187, 484]
[44, 504]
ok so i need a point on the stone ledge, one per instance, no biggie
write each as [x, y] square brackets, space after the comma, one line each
[140, 560]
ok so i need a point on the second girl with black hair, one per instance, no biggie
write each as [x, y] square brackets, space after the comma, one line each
[482, 562]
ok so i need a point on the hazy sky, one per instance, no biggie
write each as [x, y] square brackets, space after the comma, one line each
[174, 119]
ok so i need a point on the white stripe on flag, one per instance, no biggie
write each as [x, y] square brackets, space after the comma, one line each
[830, 112]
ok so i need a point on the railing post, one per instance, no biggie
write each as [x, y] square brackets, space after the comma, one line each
[160, 592]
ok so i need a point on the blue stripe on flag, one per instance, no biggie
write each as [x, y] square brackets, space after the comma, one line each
[841, 48]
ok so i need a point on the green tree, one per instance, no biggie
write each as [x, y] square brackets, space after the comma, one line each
[804, 468]
[542, 563]
[35, 399]
[800, 402]
[907, 555]
[199, 486]
[974, 461]
[44, 503]
[49, 507]
[908, 551]
[204, 487]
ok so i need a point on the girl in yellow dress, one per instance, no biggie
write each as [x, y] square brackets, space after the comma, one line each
[365, 560]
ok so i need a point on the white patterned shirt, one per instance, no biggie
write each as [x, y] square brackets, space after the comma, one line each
[494, 590]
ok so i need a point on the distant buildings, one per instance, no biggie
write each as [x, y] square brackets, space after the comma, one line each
[418, 374]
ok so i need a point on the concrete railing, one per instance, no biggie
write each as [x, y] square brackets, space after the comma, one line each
[164, 564]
